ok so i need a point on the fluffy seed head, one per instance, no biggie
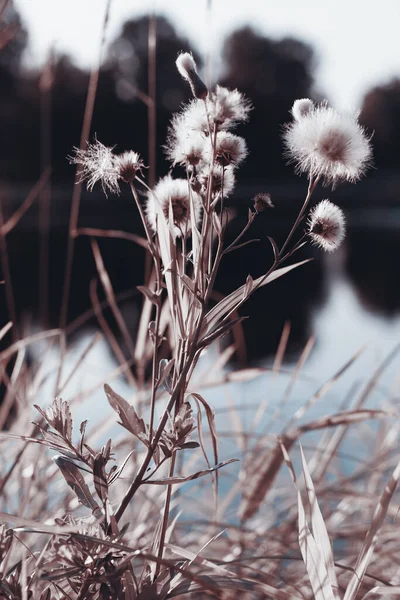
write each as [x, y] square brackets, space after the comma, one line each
[188, 70]
[175, 193]
[262, 202]
[328, 144]
[97, 164]
[128, 164]
[301, 107]
[230, 149]
[227, 108]
[326, 225]
[222, 179]
[184, 147]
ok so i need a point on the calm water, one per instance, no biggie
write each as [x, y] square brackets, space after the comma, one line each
[343, 313]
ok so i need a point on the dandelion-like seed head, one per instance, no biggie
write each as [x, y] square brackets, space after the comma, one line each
[222, 179]
[174, 193]
[97, 165]
[193, 117]
[230, 149]
[328, 144]
[188, 70]
[301, 108]
[262, 202]
[227, 108]
[326, 225]
[184, 147]
[128, 164]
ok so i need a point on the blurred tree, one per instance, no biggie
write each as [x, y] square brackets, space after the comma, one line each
[128, 61]
[381, 115]
[13, 38]
[272, 74]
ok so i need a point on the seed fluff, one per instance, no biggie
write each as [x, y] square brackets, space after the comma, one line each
[326, 225]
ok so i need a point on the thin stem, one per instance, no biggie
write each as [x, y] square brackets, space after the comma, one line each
[241, 234]
[311, 187]
[165, 517]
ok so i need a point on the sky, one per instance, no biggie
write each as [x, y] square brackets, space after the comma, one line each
[357, 41]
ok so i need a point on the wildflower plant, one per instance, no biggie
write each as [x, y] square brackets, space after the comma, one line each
[184, 219]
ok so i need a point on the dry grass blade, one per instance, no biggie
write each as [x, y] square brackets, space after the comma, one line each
[324, 389]
[319, 528]
[311, 552]
[111, 233]
[27, 203]
[31, 339]
[382, 591]
[372, 535]
[109, 291]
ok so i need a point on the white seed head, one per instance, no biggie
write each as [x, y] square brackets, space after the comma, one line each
[326, 225]
[175, 193]
[192, 118]
[184, 146]
[230, 149]
[328, 144]
[301, 107]
[128, 164]
[97, 164]
[227, 108]
[222, 179]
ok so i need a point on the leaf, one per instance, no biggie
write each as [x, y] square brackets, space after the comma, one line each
[164, 370]
[188, 446]
[75, 480]
[313, 558]
[220, 332]
[58, 416]
[183, 479]
[127, 414]
[227, 304]
[100, 477]
[184, 422]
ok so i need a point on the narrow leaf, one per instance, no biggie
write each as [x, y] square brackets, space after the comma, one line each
[183, 479]
[75, 480]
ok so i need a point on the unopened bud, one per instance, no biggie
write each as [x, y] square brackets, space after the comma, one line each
[187, 68]
[262, 202]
